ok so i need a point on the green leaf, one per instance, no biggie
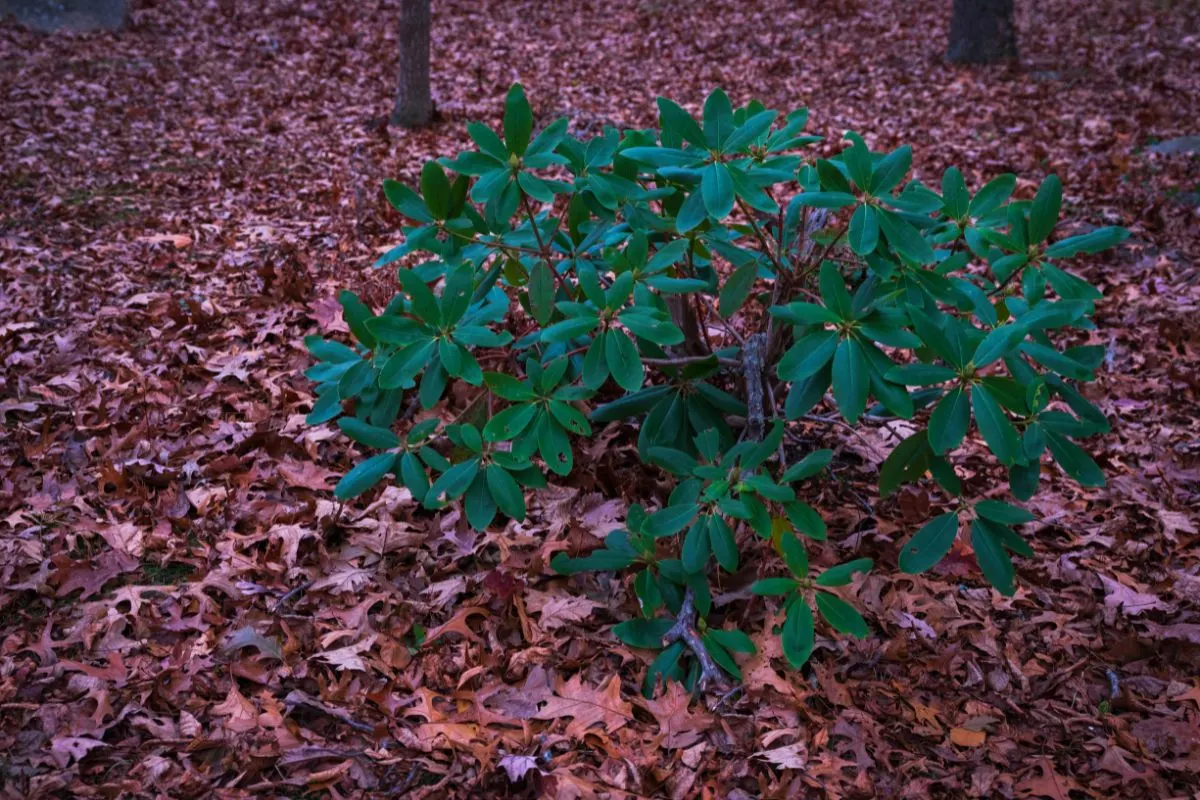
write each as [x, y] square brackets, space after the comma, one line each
[737, 288]
[857, 159]
[904, 238]
[1004, 513]
[1074, 461]
[549, 138]
[570, 328]
[518, 120]
[890, 170]
[794, 555]
[1062, 364]
[541, 292]
[595, 367]
[673, 460]
[670, 520]
[506, 492]
[805, 394]
[436, 189]
[691, 213]
[808, 466]
[906, 463]
[452, 483]
[749, 131]
[766, 488]
[949, 421]
[724, 546]
[825, 199]
[807, 356]
[1088, 243]
[623, 361]
[929, 545]
[650, 326]
[414, 477]
[998, 432]
[993, 559]
[718, 118]
[992, 195]
[773, 586]
[658, 157]
[479, 336]
[370, 435]
[1043, 214]
[364, 476]
[934, 337]
[695, 550]
[716, 187]
[842, 573]
[806, 520]
[833, 291]
[603, 560]
[720, 655]
[999, 343]
[333, 352]
[478, 504]
[424, 304]
[954, 193]
[649, 595]
[554, 446]
[487, 141]
[864, 230]
[646, 634]
[920, 374]
[509, 423]
[422, 430]
[841, 616]
[673, 118]
[570, 418]
[404, 365]
[798, 635]
[535, 187]
[851, 379]
[631, 405]
[357, 315]
[406, 201]
[508, 387]
[803, 314]
[666, 665]
[732, 640]
[451, 357]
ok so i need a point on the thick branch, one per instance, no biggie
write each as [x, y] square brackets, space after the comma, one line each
[752, 369]
[684, 630]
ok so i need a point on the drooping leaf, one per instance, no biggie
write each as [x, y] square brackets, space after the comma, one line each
[841, 616]
[930, 544]
[364, 475]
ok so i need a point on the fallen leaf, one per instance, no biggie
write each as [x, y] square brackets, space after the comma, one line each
[587, 706]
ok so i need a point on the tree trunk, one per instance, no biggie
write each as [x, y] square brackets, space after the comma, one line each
[49, 16]
[982, 32]
[414, 107]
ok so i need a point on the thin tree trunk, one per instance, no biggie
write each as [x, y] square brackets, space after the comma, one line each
[982, 32]
[414, 107]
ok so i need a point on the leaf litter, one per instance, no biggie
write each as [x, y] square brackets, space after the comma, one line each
[185, 607]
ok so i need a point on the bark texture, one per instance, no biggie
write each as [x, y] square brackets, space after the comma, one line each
[414, 107]
[982, 32]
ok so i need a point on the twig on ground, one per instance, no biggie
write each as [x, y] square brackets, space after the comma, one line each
[292, 595]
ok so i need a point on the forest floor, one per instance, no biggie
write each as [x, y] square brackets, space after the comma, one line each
[184, 609]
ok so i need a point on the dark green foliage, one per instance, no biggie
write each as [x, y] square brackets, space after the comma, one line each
[895, 299]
